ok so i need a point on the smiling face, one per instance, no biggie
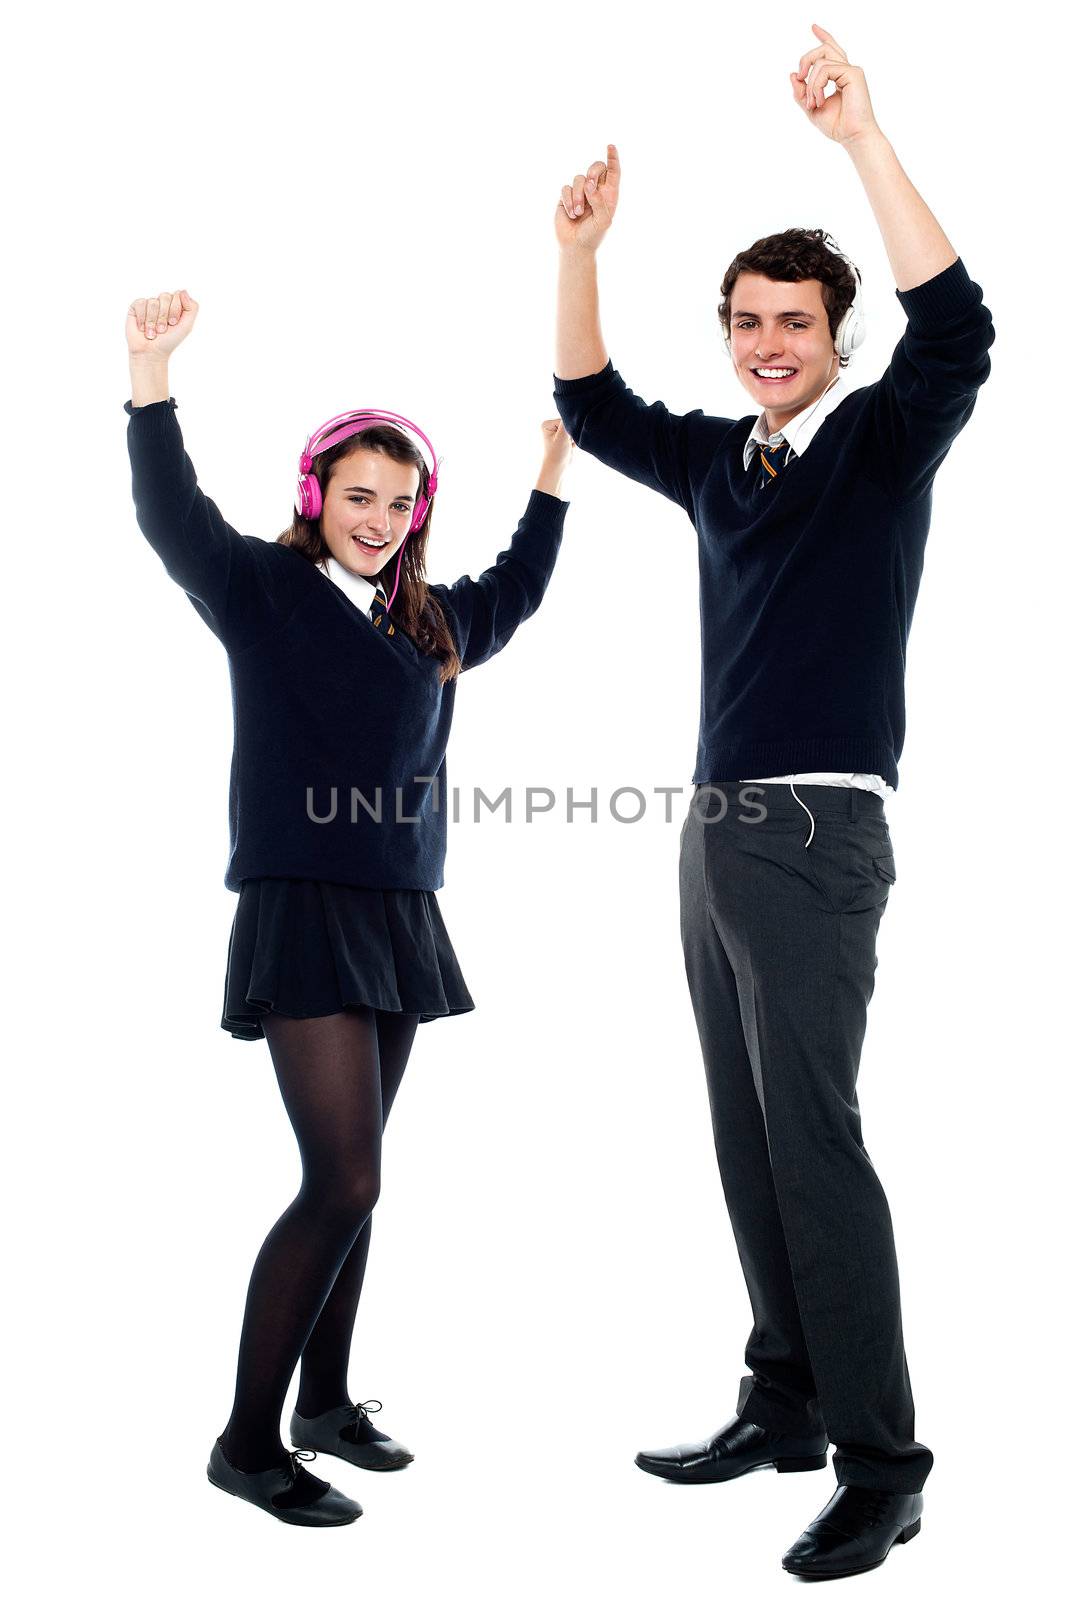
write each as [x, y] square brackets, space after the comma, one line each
[367, 510]
[781, 346]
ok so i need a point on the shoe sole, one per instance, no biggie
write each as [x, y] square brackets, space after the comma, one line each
[278, 1512]
[711, 1475]
[366, 1466]
[902, 1537]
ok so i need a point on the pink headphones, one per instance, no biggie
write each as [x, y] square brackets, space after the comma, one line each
[308, 500]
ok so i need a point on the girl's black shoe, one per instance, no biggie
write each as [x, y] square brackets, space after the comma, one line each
[276, 1488]
[346, 1431]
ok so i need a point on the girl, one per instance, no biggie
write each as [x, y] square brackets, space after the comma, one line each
[343, 663]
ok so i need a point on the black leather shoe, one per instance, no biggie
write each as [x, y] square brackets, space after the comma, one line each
[734, 1449]
[854, 1532]
[266, 1488]
[347, 1432]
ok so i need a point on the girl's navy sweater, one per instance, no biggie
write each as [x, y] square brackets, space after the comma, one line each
[807, 587]
[333, 718]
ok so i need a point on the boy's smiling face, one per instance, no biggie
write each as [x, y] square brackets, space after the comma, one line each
[782, 350]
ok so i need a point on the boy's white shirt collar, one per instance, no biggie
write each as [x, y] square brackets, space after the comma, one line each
[357, 588]
[800, 430]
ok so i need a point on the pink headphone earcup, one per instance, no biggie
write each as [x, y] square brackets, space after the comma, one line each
[310, 497]
[421, 510]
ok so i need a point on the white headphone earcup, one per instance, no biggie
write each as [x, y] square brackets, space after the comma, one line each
[856, 332]
[851, 330]
[840, 343]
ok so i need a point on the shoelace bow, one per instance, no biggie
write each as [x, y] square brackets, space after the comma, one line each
[360, 1410]
[299, 1457]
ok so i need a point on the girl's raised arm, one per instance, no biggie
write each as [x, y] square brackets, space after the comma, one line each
[486, 611]
[240, 586]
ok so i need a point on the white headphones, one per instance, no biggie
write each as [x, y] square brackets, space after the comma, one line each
[851, 330]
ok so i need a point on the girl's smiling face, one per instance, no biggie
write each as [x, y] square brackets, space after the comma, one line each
[367, 510]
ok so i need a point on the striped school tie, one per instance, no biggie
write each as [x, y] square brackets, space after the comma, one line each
[771, 463]
[379, 615]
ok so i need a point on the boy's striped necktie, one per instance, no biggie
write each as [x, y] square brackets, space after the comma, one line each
[771, 462]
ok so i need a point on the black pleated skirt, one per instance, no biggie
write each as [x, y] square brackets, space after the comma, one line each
[305, 948]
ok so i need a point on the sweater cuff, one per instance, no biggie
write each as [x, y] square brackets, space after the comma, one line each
[152, 419]
[940, 300]
[589, 381]
[547, 508]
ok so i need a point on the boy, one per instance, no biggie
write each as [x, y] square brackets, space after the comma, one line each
[811, 523]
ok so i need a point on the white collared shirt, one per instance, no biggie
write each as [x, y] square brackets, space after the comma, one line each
[357, 588]
[797, 434]
[800, 430]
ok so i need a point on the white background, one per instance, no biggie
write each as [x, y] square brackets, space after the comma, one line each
[363, 206]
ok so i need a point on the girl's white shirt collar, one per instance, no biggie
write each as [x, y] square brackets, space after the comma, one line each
[357, 588]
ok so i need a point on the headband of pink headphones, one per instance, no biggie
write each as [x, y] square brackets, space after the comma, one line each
[308, 500]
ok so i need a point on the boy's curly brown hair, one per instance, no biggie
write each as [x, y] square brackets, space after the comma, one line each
[790, 257]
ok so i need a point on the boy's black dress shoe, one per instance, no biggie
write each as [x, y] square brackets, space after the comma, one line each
[854, 1532]
[734, 1449]
[270, 1488]
[347, 1432]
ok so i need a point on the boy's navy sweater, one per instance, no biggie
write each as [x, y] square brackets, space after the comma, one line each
[807, 587]
[324, 700]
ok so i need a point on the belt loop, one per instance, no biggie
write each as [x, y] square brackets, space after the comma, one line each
[854, 805]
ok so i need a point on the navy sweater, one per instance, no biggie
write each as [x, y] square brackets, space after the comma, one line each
[807, 588]
[322, 699]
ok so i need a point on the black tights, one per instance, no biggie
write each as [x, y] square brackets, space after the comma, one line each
[338, 1077]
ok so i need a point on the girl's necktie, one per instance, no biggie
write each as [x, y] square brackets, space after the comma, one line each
[379, 615]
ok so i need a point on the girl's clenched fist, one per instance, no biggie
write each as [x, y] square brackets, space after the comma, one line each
[157, 326]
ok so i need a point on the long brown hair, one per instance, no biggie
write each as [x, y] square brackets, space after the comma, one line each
[791, 257]
[415, 610]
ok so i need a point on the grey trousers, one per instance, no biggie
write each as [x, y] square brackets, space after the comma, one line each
[779, 931]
